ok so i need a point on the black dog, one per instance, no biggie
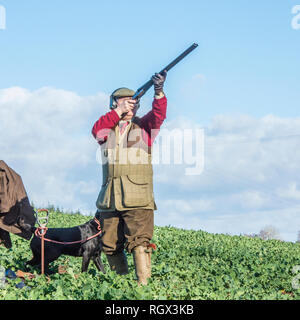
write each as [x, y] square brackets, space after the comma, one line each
[88, 250]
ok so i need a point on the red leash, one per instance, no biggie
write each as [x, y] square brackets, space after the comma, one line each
[39, 232]
[42, 222]
[42, 229]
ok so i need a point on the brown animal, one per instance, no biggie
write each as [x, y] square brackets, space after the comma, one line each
[14, 204]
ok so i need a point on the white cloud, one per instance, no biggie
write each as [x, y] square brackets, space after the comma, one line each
[291, 191]
[192, 87]
[46, 137]
[252, 170]
[250, 178]
[244, 222]
[187, 207]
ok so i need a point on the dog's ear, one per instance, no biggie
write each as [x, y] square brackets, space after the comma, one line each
[20, 221]
[23, 225]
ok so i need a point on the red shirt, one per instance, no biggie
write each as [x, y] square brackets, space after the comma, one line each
[151, 121]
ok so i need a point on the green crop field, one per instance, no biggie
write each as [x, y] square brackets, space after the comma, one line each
[187, 265]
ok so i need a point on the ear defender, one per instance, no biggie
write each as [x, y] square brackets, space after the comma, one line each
[121, 93]
[112, 102]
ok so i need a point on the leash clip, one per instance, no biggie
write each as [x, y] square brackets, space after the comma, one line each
[42, 220]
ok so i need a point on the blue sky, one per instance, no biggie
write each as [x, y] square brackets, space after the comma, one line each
[248, 51]
[242, 82]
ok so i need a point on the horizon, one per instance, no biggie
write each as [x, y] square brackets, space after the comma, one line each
[60, 61]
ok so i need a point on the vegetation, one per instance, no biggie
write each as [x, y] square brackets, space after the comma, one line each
[187, 265]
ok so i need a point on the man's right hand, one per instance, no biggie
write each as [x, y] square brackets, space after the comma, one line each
[125, 106]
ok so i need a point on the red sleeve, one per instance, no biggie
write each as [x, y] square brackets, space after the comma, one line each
[152, 121]
[105, 123]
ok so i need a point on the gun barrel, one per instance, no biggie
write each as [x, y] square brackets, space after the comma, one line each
[179, 58]
[142, 90]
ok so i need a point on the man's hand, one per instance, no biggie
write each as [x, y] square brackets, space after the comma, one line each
[125, 106]
[159, 81]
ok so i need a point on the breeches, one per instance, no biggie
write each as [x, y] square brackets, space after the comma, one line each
[126, 229]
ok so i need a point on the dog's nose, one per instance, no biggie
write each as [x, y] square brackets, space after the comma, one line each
[19, 221]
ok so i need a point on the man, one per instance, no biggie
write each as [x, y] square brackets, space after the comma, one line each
[126, 199]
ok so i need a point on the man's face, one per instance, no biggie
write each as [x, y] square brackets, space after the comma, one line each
[130, 113]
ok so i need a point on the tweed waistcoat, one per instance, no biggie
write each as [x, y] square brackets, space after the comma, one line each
[127, 171]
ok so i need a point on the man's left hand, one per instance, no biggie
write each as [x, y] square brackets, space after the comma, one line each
[159, 81]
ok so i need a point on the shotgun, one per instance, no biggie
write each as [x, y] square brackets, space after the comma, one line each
[143, 89]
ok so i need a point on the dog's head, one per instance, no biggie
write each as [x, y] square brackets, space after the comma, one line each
[96, 224]
[98, 215]
[19, 215]
[23, 225]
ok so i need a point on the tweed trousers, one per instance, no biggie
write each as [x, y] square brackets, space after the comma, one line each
[126, 229]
